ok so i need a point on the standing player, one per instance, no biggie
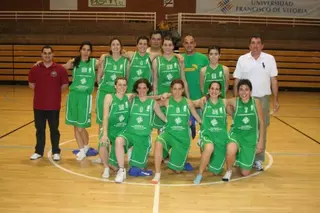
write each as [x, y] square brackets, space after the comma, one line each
[247, 131]
[214, 72]
[213, 131]
[167, 68]
[79, 102]
[176, 133]
[138, 132]
[111, 67]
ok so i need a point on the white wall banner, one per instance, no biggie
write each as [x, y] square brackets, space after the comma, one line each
[289, 8]
[107, 3]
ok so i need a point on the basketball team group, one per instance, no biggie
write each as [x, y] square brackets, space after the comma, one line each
[156, 88]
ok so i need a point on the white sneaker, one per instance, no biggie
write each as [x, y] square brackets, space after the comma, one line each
[81, 155]
[35, 156]
[121, 175]
[258, 166]
[97, 160]
[106, 173]
[56, 157]
[227, 176]
[86, 148]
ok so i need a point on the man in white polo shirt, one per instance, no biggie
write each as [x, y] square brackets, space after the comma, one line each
[261, 69]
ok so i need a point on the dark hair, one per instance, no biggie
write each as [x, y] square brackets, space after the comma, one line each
[256, 36]
[189, 35]
[167, 38]
[177, 81]
[113, 39]
[118, 79]
[214, 48]
[142, 38]
[244, 82]
[156, 32]
[46, 47]
[142, 81]
[214, 82]
[77, 59]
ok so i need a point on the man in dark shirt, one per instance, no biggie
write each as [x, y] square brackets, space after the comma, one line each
[47, 80]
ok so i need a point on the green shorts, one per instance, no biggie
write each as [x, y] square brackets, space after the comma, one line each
[78, 109]
[141, 148]
[157, 122]
[219, 141]
[179, 149]
[246, 150]
[99, 105]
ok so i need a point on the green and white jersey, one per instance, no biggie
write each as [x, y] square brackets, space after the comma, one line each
[84, 76]
[245, 120]
[112, 70]
[215, 75]
[118, 114]
[214, 117]
[167, 72]
[178, 115]
[140, 67]
[141, 116]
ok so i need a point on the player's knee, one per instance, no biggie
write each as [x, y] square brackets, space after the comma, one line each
[232, 148]
[209, 148]
[119, 141]
[245, 172]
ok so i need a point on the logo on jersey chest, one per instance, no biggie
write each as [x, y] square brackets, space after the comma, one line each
[53, 73]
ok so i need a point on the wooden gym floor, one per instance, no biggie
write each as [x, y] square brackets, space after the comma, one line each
[291, 182]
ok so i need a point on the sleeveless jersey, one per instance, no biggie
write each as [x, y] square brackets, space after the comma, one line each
[167, 72]
[178, 115]
[245, 120]
[215, 75]
[141, 114]
[118, 114]
[214, 118]
[112, 70]
[140, 67]
[84, 76]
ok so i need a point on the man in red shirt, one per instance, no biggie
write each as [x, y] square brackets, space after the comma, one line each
[48, 80]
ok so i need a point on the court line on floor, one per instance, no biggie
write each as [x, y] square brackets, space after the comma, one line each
[156, 198]
[49, 155]
[9, 133]
[311, 138]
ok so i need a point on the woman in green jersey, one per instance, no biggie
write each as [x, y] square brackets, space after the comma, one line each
[137, 134]
[111, 67]
[79, 102]
[115, 119]
[213, 131]
[176, 134]
[167, 68]
[247, 131]
[214, 72]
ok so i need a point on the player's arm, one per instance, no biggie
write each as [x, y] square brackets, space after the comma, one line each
[202, 73]
[105, 122]
[183, 78]
[100, 67]
[159, 113]
[226, 76]
[69, 64]
[230, 105]
[199, 103]
[155, 75]
[194, 111]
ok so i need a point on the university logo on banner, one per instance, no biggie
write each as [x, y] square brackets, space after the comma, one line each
[289, 8]
[107, 3]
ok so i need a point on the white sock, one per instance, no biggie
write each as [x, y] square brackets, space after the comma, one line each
[86, 148]
[82, 151]
[157, 177]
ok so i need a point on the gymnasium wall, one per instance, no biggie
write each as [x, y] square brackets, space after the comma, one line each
[184, 6]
